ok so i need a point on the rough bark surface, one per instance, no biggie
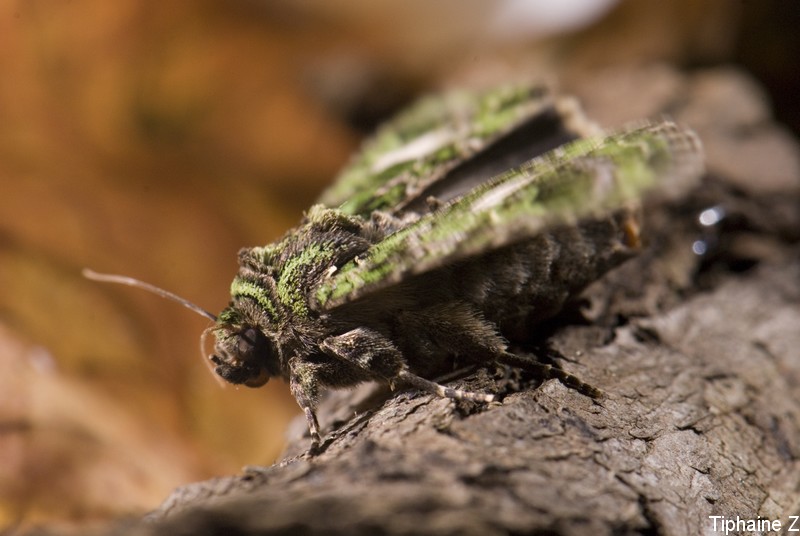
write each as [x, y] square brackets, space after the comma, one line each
[699, 357]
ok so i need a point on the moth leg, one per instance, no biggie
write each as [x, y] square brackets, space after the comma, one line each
[549, 372]
[382, 360]
[440, 390]
[372, 353]
[303, 386]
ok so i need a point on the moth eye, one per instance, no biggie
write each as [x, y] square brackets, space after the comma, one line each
[247, 342]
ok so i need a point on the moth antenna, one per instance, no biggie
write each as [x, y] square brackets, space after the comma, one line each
[207, 359]
[131, 282]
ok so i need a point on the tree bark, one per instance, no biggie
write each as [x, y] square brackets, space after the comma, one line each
[698, 357]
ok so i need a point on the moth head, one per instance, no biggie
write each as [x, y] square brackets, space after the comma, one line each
[243, 355]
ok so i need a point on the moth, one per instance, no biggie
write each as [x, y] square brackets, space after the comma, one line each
[465, 221]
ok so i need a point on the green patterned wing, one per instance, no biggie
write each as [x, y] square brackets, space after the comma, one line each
[585, 178]
[444, 145]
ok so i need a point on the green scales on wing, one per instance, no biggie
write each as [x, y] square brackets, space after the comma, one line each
[584, 178]
[432, 146]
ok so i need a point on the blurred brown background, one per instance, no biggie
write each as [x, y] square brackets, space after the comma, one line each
[155, 139]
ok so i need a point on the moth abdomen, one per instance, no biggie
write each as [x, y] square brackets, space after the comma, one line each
[518, 286]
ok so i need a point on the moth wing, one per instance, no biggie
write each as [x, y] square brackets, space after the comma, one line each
[585, 178]
[446, 144]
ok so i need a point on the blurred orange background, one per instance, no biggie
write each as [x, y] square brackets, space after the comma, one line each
[154, 139]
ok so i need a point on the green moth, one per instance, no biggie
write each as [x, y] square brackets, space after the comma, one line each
[466, 220]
